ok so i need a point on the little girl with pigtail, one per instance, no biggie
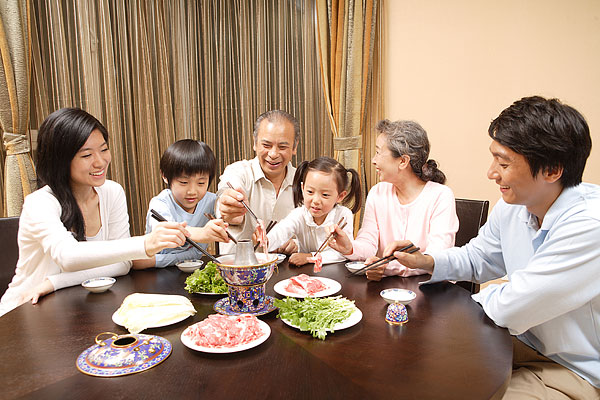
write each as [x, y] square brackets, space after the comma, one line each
[321, 188]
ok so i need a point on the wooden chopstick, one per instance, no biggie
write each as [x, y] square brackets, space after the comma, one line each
[245, 205]
[324, 244]
[160, 218]
[211, 217]
[384, 260]
[270, 226]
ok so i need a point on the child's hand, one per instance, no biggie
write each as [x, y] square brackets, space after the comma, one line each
[230, 205]
[165, 235]
[288, 247]
[215, 230]
[340, 242]
[299, 258]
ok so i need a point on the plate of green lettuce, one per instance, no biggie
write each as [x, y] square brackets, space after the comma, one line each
[206, 281]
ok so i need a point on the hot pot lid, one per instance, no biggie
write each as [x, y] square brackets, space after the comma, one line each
[123, 355]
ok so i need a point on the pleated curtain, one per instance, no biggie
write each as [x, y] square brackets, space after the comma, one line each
[157, 71]
[18, 174]
[348, 40]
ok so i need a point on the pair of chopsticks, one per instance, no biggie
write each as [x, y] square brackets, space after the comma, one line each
[244, 204]
[323, 246]
[270, 226]
[385, 260]
[160, 218]
[211, 217]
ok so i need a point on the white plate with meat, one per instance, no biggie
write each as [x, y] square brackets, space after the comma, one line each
[226, 334]
[302, 286]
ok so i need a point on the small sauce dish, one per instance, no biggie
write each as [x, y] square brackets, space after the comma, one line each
[402, 296]
[189, 266]
[355, 266]
[98, 285]
[280, 258]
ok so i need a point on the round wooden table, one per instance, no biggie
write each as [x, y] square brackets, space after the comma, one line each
[449, 349]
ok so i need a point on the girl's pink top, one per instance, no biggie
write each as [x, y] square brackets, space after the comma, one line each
[430, 222]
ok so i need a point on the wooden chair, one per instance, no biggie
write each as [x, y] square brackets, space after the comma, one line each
[9, 250]
[472, 214]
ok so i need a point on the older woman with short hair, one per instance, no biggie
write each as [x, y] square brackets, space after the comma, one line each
[410, 203]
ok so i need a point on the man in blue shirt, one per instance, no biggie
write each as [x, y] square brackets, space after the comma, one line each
[545, 235]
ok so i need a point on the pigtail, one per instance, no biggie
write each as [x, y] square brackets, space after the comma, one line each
[354, 196]
[430, 172]
[299, 176]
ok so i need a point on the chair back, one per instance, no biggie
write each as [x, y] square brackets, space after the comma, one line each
[9, 250]
[472, 214]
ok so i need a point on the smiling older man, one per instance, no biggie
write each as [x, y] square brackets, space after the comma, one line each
[265, 182]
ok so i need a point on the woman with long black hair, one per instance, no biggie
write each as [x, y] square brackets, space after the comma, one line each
[76, 226]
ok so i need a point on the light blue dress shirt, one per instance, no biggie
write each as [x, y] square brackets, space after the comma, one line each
[165, 205]
[552, 299]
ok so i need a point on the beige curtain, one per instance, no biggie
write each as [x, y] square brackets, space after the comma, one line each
[18, 176]
[348, 39]
[157, 71]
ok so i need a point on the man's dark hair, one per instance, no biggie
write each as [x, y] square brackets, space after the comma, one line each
[188, 157]
[548, 133]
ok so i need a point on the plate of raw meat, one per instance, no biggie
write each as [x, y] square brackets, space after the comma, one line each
[226, 334]
[307, 286]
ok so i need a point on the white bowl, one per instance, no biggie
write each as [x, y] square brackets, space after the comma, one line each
[280, 258]
[189, 266]
[402, 296]
[355, 266]
[98, 285]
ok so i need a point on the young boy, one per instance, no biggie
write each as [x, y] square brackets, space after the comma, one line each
[187, 167]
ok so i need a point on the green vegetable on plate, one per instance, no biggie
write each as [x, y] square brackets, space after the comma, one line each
[315, 315]
[206, 280]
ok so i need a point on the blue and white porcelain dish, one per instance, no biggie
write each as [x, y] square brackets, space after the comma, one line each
[120, 355]
[98, 285]
[396, 295]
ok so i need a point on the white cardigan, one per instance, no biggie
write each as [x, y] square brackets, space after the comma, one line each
[48, 250]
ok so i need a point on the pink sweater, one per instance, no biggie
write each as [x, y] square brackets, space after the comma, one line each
[430, 222]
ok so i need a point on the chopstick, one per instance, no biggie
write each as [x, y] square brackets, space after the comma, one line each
[245, 205]
[384, 260]
[211, 217]
[324, 244]
[270, 226]
[160, 218]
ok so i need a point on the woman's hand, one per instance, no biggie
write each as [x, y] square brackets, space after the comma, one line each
[340, 242]
[410, 260]
[375, 274]
[299, 258]
[165, 235]
[37, 292]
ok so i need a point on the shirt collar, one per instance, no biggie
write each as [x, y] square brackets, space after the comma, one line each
[329, 220]
[259, 174]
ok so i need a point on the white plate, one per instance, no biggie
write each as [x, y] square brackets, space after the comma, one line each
[117, 320]
[352, 320]
[333, 287]
[187, 342]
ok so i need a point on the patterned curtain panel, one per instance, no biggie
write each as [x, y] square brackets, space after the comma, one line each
[349, 33]
[18, 175]
[157, 71]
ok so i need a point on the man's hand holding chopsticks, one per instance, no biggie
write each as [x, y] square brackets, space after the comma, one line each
[230, 205]
[409, 259]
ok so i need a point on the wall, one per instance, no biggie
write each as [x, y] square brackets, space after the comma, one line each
[453, 66]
